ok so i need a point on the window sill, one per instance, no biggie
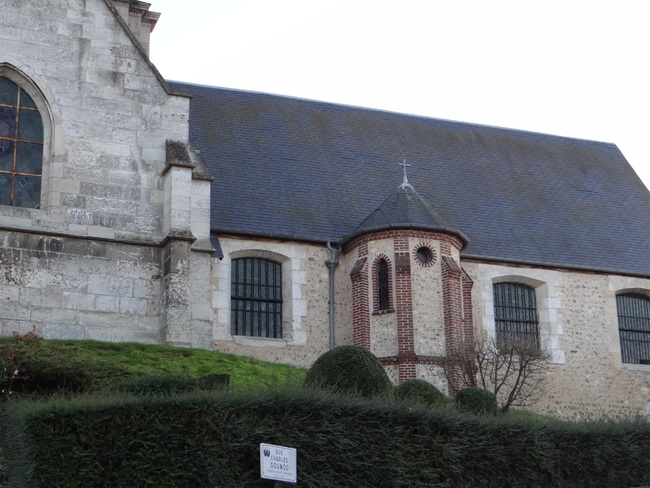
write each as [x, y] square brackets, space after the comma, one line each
[259, 342]
[383, 312]
[637, 367]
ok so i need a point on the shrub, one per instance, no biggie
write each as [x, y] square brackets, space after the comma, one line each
[167, 384]
[419, 391]
[477, 400]
[349, 369]
[204, 440]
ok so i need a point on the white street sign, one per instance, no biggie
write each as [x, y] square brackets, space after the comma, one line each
[278, 463]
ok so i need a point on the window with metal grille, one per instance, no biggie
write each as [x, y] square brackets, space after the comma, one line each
[256, 297]
[383, 285]
[634, 327]
[515, 315]
[21, 147]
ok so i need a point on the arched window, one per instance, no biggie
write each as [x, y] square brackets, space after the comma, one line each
[634, 327]
[256, 297]
[383, 285]
[515, 315]
[21, 147]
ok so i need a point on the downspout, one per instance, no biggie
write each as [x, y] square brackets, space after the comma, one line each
[331, 265]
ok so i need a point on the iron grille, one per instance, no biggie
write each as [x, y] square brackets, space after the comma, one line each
[634, 327]
[515, 314]
[256, 298]
[383, 285]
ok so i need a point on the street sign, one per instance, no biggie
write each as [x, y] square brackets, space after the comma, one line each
[278, 463]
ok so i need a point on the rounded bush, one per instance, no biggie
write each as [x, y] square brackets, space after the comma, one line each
[419, 391]
[351, 370]
[477, 400]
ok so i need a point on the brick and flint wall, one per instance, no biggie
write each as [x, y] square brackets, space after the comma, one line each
[431, 305]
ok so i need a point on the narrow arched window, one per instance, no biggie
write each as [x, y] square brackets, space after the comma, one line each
[383, 285]
[634, 327]
[21, 147]
[515, 315]
[256, 297]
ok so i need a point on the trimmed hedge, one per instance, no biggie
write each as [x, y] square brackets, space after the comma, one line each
[167, 384]
[207, 439]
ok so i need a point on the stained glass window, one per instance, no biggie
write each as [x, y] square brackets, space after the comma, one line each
[21, 147]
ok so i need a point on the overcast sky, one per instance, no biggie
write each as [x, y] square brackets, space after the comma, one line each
[573, 68]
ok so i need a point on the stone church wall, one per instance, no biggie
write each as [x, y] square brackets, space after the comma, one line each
[88, 261]
[70, 288]
[305, 296]
[578, 323]
[106, 119]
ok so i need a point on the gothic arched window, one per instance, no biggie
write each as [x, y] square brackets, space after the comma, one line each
[634, 327]
[21, 147]
[256, 297]
[382, 285]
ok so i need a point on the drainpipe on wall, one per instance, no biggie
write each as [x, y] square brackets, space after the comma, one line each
[331, 265]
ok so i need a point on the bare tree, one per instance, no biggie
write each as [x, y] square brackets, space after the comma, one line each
[513, 370]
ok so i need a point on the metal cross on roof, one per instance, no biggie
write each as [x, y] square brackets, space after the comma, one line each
[405, 183]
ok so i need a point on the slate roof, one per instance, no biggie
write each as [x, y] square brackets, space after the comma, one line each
[312, 171]
[404, 209]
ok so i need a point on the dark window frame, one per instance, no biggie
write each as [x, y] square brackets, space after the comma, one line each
[22, 144]
[256, 297]
[383, 285]
[633, 314]
[516, 320]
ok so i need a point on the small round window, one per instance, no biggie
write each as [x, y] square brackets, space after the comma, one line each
[425, 256]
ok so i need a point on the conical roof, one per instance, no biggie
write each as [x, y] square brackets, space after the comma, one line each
[405, 208]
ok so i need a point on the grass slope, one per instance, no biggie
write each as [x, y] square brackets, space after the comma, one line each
[100, 363]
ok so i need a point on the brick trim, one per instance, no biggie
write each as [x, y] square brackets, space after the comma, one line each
[457, 305]
[447, 241]
[404, 308]
[360, 305]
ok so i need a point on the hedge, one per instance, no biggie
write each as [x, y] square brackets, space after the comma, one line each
[208, 439]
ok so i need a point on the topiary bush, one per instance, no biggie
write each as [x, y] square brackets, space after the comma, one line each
[350, 370]
[419, 391]
[477, 400]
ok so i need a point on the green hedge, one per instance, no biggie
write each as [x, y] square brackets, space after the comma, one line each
[209, 439]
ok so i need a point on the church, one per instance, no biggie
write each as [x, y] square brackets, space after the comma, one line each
[135, 209]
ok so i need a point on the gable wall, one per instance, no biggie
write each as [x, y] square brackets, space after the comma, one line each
[88, 262]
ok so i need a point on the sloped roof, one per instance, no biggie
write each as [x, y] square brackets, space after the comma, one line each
[313, 171]
[405, 209]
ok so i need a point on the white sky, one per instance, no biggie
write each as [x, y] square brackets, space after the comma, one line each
[568, 67]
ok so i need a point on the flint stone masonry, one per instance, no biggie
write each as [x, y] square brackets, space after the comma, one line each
[578, 323]
[305, 302]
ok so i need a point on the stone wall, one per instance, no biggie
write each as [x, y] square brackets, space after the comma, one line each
[305, 311]
[93, 259]
[578, 323]
[106, 116]
[71, 288]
